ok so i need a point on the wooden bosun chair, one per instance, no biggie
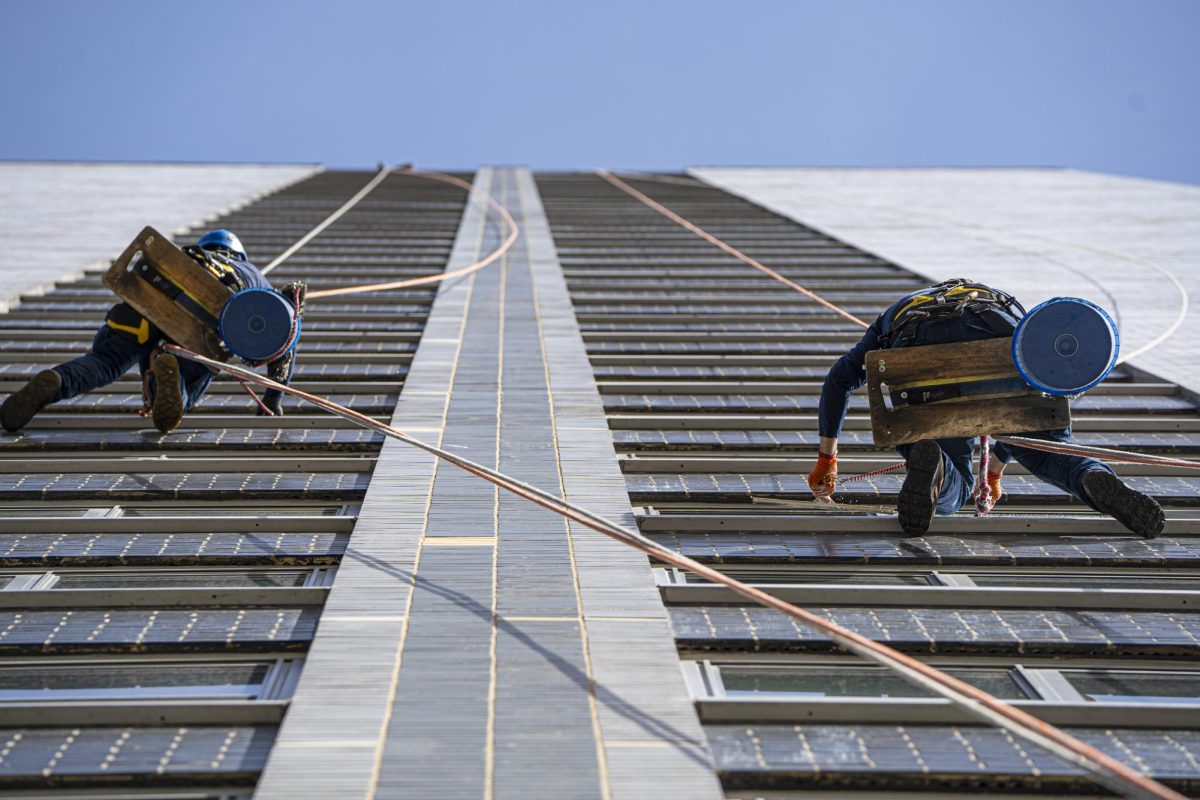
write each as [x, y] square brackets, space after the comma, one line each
[950, 391]
[166, 286]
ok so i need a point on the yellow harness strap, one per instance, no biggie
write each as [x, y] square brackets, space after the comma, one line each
[142, 332]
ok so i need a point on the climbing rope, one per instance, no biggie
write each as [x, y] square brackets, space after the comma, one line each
[490, 258]
[728, 248]
[973, 701]
[982, 494]
[384, 172]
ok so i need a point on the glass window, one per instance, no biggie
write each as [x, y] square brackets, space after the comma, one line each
[821, 577]
[114, 681]
[5, 580]
[150, 579]
[853, 681]
[1115, 686]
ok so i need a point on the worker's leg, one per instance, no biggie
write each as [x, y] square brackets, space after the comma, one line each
[957, 478]
[195, 379]
[1092, 482]
[1065, 472]
[111, 356]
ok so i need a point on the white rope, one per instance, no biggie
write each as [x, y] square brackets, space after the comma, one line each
[332, 218]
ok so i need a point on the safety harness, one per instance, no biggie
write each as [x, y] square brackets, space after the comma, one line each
[948, 300]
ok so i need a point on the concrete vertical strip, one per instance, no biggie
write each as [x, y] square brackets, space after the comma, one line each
[333, 736]
[530, 659]
[652, 740]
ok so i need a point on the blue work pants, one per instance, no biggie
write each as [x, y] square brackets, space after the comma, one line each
[958, 481]
[112, 355]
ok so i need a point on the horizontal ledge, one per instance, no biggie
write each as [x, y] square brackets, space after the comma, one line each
[189, 597]
[991, 597]
[147, 712]
[180, 524]
[964, 525]
[131, 464]
[916, 711]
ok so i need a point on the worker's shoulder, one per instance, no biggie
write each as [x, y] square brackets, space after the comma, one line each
[251, 275]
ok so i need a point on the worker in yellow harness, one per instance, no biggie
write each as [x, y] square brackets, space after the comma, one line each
[939, 478]
[127, 338]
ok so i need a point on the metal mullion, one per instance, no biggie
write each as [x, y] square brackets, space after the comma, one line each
[1052, 685]
[918, 711]
[197, 597]
[690, 420]
[385, 385]
[874, 595]
[301, 419]
[1180, 523]
[180, 524]
[250, 462]
[152, 712]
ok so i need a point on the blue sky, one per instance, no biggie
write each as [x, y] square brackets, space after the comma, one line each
[1092, 84]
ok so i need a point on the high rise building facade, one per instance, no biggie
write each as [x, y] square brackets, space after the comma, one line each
[297, 607]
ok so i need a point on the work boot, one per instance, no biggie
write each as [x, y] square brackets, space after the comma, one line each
[919, 494]
[1138, 512]
[167, 412]
[23, 404]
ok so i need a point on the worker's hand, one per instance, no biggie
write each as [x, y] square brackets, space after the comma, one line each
[824, 475]
[273, 401]
[993, 481]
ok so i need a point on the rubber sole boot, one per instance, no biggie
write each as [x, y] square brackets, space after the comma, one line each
[167, 412]
[918, 495]
[24, 404]
[1138, 512]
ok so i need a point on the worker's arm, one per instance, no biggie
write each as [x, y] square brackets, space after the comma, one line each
[280, 370]
[847, 374]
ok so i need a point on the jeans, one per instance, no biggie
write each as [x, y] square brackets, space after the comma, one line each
[1065, 472]
[112, 355]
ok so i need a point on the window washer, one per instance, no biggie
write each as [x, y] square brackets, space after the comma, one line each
[939, 475]
[171, 388]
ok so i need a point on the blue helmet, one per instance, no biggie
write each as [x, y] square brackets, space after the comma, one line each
[221, 238]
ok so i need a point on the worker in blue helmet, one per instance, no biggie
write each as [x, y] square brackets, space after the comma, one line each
[170, 387]
[939, 478]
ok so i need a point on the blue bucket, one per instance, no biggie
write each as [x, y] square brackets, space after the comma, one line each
[1065, 346]
[258, 324]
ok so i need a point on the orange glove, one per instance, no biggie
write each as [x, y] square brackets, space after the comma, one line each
[823, 476]
[993, 481]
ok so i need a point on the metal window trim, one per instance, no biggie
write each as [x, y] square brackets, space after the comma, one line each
[150, 712]
[121, 599]
[1179, 523]
[915, 711]
[167, 463]
[1052, 686]
[264, 523]
[953, 596]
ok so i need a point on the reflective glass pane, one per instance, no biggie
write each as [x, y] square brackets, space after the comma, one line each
[110, 681]
[167, 578]
[1177, 582]
[853, 681]
[1136, 687]
[5, 580]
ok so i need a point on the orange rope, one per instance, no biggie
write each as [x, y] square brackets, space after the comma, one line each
[513, 232]
[728, 248]
[975, 702]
